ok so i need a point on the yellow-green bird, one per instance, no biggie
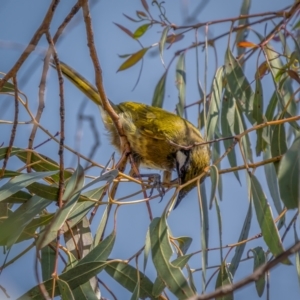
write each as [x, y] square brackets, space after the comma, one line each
[158, 139]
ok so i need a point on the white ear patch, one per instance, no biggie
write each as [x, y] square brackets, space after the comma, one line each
[181, 159]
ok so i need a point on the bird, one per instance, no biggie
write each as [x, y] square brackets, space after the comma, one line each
[158, 139]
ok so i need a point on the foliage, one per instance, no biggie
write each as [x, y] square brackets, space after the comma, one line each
[238, 120]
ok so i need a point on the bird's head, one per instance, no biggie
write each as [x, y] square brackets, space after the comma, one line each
[190, 164]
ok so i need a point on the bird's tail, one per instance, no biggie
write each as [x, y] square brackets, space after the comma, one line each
[80, 82]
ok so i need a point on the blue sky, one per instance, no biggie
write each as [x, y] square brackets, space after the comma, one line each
[19, 20]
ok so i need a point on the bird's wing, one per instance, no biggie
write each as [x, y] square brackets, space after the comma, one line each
[160, 124]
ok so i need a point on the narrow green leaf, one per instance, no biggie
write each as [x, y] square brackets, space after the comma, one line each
[108, 176]
[224, 278]
[13, 226]
[216, 153]
[14, 151]
[65, 291]
[73, 277]
[101, 227]
[70, 197]
[59, 218]
[44, 190]
[184, 243]
[42, 163]
[162, 43]
[238, 84]
[82, 236]
[133, 59]
[18, 197]
[9, 174]
[258, 115]
[158, 287]
[136, 292]
[272, 106]
[240, 126]
[159, 284]
[181, 84]
[159, 92]
[101, 251]
[214, 176]
[289, 176]
[140, 31]
[7, 88]
[126, 275]
[204, 231]
[278, 143]
[265, 219]
[85, 292]
[47, 262]
[74, 184]
[228, 118]
[242, 33]
[31, 229]
[20, 182]
[259, 260]
[297, 254]
[220, 228]
[80, 210]
[272, 181]
[215, 104]
[161, 254]
[239, 250]
[181, 261]
[147, 248]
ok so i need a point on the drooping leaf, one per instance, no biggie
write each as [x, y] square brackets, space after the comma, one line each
[214, 175]
[272, 182]
[140, 31]
[289, 176]
[297, 254]
[259, 260]
[224, 278]
[47, 262]
[73, 277]
[7, 88]
[238, 85]
[133, 59]
[215, 104]
[204, 231]
[278, 142]
[159, 92]
[162, 43]
[147, 248]
[242, 34]
[65, 291]
[126, 275]
[181, 84]
[161, 254]
[42, 163]
[70, 198]
[20, 182]
[124, 29]
[13, 226]
[239, 250]
[265, 219]
[228, 118]
[258, 115]
[184, 243]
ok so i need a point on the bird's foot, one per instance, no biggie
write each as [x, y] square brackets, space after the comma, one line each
[156, 183]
